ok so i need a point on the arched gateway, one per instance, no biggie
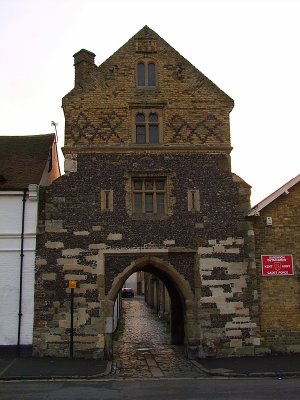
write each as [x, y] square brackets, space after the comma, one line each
[183, 305]
[147, 186]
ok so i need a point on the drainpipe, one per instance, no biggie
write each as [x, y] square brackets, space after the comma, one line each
[21, 274]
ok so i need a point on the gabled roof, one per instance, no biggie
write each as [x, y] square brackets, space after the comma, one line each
[23, 160]
[148, 33]
[283, 189]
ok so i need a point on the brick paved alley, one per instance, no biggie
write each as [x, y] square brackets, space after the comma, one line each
[144, 349]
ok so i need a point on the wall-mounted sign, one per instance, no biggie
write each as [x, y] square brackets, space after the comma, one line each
[277, 265]
[72, 285]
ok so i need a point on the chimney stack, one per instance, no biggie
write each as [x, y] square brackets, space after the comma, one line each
[84, 63]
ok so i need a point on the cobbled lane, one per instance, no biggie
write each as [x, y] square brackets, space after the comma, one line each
[144, 349]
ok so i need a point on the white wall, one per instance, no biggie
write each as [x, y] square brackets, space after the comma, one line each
[10, 249]
[131, 282]
[117, 311]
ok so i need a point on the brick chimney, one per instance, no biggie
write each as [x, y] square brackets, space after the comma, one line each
[84, 64]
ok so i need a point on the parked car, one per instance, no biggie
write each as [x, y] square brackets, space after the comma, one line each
[127, 292]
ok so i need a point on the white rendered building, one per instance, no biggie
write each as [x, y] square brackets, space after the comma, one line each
[26, 162]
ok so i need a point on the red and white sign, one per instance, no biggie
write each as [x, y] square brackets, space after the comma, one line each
[277, 265]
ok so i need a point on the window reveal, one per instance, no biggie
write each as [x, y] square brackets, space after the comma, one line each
[193, 200]
[106, 200]
[141, 74]
[149, 195]
[146, 73]
[147, 128]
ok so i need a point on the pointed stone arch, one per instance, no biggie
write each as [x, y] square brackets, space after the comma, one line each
[184, 324]
[159, 264]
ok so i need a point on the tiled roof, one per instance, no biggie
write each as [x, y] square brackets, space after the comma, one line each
[23, 160]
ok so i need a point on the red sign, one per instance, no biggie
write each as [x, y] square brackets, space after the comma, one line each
[277, 265]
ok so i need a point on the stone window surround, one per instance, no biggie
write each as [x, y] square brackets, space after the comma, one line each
[156, 191]
[147, 110]
[130, 176]
[147, 128]
[193, 196]
[146, 61]
[107, 200]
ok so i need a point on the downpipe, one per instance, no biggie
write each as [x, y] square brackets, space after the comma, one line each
[21, 274]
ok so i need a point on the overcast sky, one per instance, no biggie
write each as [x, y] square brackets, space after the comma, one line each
[250, 49]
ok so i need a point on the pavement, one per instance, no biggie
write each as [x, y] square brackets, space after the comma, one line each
[143, 351]
[65, 368]
[52, 368]
[252, 366]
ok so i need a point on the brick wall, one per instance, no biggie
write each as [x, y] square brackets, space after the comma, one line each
[98, 109]
[280, 295]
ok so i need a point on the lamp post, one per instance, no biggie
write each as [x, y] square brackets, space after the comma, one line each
[72, 285]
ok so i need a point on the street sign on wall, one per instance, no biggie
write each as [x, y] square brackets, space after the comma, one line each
[72, 284]
[277, 265]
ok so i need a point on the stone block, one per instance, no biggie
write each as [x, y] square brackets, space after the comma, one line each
[293, 348]
[81, 316]
[229, 307]
[241, 320]
[79, 301]
[246, 351]
[234, 250]
[238, 268]
[72, 252]
[85, 339]
[54, 245]
[96, 228]
[239, 241]
[259, 351]
[97, 246]
[114, 236]
[74, 277]
[169, 242]
[212, 242]
[81, 233]
[86, 286]
[219, 248]
[236, 343]
[54, 225]
[65, 323]
[243, 311]
[234, 333]
[92, 258]
[72, 268]
[97, 323]
[67, 261]
[53, 338]
[85, 346]
[40, 262]
[205, 250]
[227, 242]
[100, 340]
[92, 305]
[49, 276]
[70, 165]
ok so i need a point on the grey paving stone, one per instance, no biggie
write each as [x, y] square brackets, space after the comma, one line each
[144, 349]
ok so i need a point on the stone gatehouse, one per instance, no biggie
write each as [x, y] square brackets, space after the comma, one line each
[147, 186]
